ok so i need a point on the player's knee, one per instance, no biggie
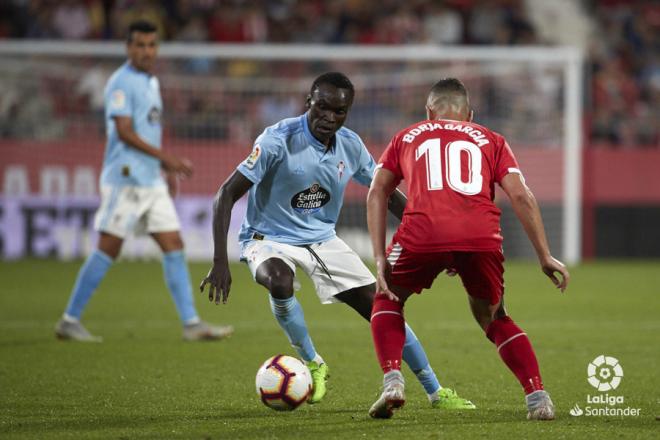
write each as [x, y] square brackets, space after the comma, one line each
[484, 312]
[113, 253]
[499, 313]
[487, 319]
[280, 291]
[173, 243]
[483, 316]
[169, 241]
[280, 285]
[360, 299]
[110, 245]
[367, 293]
[484, 321]
[177, 243]
[364, 308]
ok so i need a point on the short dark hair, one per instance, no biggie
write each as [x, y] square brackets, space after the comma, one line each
[449, 98]
[336, 79]
[449, 85]
[143, 26]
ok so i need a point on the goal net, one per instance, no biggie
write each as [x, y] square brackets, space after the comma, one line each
[217, 99]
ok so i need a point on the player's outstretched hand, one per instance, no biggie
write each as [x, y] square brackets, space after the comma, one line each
[178, 166]
[383, 270]
[550, 266]
[219, 281]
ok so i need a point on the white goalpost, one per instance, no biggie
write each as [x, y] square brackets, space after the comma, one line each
[219, 97]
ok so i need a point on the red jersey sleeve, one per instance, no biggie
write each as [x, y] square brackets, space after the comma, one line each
[505, 162]
[390, 159]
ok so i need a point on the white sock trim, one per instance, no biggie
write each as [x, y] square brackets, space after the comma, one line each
[393, 376]
[434, 395]
[192, 321]
[318, 359]
[509, 340]
[385, 312]
[534, 393]
[71, 319]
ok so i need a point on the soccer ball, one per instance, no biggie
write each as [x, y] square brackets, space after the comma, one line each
[283, 383]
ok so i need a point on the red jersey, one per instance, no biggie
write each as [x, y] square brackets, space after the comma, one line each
[450, 168]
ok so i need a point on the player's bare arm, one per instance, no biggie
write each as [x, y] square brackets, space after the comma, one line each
[527, 210]
[219, 277]
[172, 181]
[382, 186]
[171, 164]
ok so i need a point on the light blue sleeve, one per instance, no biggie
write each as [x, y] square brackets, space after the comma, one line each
[119, 97]
[366, 167]
[266, 152]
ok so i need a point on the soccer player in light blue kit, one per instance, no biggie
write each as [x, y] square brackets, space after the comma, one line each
[296, 176]
[134, 195]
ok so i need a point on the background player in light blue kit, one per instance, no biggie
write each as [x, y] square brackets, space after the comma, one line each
[134, 195]
[296, 176]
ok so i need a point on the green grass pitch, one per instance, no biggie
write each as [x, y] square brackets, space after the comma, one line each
[144, 382]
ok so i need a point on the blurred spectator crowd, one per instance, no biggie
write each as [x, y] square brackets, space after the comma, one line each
[624, 73]
[623, 67]
[288, 21]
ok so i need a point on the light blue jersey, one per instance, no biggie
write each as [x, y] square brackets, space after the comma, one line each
[131, 92]
[299, 184]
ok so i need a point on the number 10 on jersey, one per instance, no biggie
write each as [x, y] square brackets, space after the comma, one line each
[432, 152]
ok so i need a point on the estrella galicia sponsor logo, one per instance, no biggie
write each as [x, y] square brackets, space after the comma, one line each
[154, 115]
[605, 374]
[310, 200]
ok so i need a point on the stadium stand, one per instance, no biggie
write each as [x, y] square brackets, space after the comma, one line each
[624, 79]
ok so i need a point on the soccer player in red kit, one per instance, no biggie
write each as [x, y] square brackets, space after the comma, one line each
[451, 166]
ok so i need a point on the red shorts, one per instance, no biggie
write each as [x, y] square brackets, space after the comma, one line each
[481, 272]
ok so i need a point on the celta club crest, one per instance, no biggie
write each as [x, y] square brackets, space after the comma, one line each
[340, 168]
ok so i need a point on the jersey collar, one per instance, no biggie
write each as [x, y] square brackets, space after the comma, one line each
[132, 68]
[315, 142]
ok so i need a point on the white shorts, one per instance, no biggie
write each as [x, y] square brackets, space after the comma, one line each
[137, 209]
[346, 269]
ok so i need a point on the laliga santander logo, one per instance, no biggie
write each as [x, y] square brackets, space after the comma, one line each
[604, 373]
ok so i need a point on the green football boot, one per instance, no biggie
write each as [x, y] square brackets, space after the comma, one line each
[448, 399]
[319, 376]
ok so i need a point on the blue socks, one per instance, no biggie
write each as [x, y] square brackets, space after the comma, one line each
[415, 357]
[89, 276]
[177, 279]
[289, 314]
[98, 263]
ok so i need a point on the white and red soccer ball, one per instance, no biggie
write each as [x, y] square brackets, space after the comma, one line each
[283, 383]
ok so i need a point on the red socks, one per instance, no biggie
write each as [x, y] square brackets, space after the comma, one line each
[516, 351]
[389, 332]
